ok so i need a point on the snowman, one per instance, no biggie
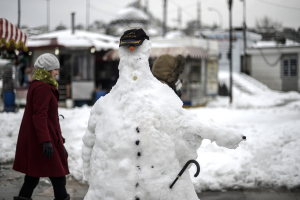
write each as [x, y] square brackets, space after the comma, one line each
[139, 137]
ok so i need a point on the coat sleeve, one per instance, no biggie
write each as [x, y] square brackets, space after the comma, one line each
[41, 98]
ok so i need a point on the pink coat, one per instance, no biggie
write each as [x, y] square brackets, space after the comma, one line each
[40, 124]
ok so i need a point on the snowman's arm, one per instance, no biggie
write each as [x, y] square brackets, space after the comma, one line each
[223, 136]
[88, 144]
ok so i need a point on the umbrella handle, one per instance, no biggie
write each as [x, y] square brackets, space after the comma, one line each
[184, 168]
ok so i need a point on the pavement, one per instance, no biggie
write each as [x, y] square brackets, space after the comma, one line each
[11, 182]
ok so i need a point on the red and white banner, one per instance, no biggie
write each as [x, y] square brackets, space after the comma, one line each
[11, 35]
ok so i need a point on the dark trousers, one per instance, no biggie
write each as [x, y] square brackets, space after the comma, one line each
[58, 183]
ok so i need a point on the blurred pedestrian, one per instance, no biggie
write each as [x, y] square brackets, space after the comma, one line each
[21, 70]
[40, 151]
[167, 69]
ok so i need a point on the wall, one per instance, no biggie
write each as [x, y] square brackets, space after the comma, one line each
[236, 55]
[271, 76]
[38, 52]
[211, 77]
[222, 37]
[260, 70]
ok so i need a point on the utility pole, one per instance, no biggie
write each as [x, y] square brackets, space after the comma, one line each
[165, 19]
[245, 40]
[19, 14]
[230, 50]
[198, 15]
[87, 14]
[179, 19]
[48, 17]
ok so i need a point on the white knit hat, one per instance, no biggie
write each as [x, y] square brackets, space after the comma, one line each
[46, 61]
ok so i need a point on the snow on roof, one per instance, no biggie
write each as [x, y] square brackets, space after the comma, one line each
[222, 34]
[175, 34]
[152, 31]
[78, 39]
[38, 43]
[262, 44]
[131, 13]
[210, 45]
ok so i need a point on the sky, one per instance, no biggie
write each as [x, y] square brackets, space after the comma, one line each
[34, 12]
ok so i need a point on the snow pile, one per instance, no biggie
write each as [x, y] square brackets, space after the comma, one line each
[175, 34]
[269, 157]
[9, 126]
[73, 128]
[250, 93]
[139, 137]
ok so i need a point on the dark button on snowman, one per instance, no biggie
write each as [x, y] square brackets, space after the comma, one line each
[139, 137]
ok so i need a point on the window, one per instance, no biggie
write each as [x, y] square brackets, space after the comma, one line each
[293, 67]
[83, 67]
[195, 73]
[290, 66]
[285, 67]
[228, 55]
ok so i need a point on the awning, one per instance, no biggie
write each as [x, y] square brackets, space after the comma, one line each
[11, 36]
[192, 52]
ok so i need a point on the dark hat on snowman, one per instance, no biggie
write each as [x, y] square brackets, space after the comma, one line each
[133, 37]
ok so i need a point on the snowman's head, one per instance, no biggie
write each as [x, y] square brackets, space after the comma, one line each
[134, 42]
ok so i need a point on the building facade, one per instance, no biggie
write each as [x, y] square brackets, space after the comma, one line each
[276, 65]
[222, 37]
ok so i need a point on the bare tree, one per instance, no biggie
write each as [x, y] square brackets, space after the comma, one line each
[269, 29]
[268, 23]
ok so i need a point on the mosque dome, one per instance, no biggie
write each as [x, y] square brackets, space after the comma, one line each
[131, 13]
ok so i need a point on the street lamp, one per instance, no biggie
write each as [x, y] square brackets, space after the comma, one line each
[164, 28]
[220, 15]
[48, 18]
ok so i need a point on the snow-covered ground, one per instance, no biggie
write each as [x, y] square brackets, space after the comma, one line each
[250, 93]
[269, 157]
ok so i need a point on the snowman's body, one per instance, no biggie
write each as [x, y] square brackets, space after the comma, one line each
[139, 137]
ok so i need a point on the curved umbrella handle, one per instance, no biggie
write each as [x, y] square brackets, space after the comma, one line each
[184, 168]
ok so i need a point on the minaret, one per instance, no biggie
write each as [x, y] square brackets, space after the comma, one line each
[146, 7]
